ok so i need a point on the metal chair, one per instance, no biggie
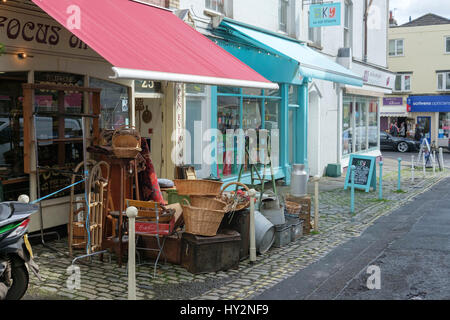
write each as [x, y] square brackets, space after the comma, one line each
[151, 223]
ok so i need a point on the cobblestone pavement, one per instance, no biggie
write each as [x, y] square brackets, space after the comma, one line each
[105, 280]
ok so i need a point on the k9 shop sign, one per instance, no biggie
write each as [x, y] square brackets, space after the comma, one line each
[23, 31]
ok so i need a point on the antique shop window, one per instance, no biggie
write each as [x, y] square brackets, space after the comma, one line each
[244, 109]
[12, 176]
[67, 152]
[114, 103]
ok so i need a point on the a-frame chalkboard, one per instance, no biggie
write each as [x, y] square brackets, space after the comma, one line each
[365, 173]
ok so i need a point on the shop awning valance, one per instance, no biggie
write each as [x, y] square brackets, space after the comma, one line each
[150, 43]
[311, 63]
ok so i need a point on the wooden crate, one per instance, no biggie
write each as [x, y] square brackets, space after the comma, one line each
[305, 213]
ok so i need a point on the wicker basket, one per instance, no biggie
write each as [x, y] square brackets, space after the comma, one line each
[126, 142]
[201, 222]
[233, 201]
[208, 203]
[293, 208]
[198, 187]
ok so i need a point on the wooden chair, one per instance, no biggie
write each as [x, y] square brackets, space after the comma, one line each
[152, 222]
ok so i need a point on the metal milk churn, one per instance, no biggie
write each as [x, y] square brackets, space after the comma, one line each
[299, 180]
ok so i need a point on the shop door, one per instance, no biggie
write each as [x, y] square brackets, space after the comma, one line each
[150, 125]
[424, 124]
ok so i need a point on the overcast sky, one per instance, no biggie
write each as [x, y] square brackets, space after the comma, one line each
[417, 8]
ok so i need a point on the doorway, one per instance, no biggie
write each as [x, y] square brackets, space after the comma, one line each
[149, 123]
[424, 125]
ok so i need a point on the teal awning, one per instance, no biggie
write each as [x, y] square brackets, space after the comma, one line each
[311, 63]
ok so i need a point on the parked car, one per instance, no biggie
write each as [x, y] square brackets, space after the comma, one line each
[400, 144]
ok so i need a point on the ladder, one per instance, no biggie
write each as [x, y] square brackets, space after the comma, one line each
[255, 168]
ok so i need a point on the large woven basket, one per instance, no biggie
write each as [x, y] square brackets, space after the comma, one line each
[207, 203]
[126, 142]
[198, 187]
[200, 221]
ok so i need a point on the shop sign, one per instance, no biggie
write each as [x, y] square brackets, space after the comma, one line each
[394, 101]
[374, 77]
[325, 15]
[20, 30]
[147, 86]
[365, 172]
[429, 104]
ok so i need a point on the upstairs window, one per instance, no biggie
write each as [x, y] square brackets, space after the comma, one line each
[283, 15]
[444, 81]
[396, 48]
[403, 82]
[348, 24]
[315, 34]
[216, 5]
[447, 44]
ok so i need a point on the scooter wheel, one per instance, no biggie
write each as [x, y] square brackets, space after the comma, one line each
[20, 279]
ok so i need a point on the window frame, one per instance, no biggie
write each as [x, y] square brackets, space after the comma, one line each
[445, 85]
[287, 4]
[217, 7]
[314, 34]
[348, 24]
[403, 81]
[396, 54]
[447, 44]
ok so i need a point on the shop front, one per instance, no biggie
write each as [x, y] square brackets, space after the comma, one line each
[361, 112]
[283, 112]
[52, 56]
[39, 50]
[431, 115]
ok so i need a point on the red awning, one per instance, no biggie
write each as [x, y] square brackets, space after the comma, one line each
[151, 43]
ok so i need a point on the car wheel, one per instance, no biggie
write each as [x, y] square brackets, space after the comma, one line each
[402, 147]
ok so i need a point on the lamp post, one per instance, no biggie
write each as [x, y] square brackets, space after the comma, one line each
[380, 195]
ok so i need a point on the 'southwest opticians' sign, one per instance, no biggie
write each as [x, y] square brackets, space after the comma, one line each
[325, 15]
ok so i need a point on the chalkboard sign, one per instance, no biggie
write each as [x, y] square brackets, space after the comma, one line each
[365, 173]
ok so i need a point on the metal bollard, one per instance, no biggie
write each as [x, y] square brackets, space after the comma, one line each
[434, 163]
[412, 169]
[316, 203]
[380, 195]
[423, 161]
[23, 198]
[441, 158]
[252, 194]
[132, 213]
[352, 194]
[399, 174]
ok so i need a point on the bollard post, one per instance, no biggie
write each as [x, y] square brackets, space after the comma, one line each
[316, 203]
[423, 161]
[441, 158]
[352, 194]
[380, 195]
[23, 198]
[132, 213]
[412, 169]
[252, 194]
[434, 163]
[399, 174]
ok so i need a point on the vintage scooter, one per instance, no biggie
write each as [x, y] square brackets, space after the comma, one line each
[16, 255]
